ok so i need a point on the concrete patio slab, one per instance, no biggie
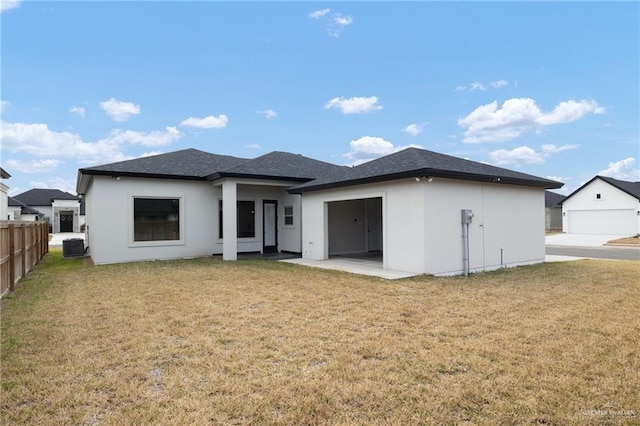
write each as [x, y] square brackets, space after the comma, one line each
[354, 266]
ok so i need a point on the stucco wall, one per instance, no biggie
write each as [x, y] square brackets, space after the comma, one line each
[59, 206]
[109, 213]
[288, 237]
[4, 200]
[422, 230]
[507, 228]
[403, 224]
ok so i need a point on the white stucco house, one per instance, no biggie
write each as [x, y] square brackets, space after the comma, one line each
[62, 210]
[4, 198]
[405, 208]
[21, 212]
[603, 205]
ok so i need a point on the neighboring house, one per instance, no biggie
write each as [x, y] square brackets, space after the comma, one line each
[19, 211]
[406, 207]
[603, 206]
[60, 209]
[4, 198]
[553, 211]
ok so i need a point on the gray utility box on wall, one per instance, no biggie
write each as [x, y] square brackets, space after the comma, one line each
[73, 247]
[467, 216]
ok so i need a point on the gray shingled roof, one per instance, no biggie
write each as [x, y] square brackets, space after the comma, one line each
[4, 174]
[314, 175]
[43, 197]
[415, 162]
[281, 165]
[551, 199]
[631, 188]
[187, 163]
[199, 165]
[25, 209]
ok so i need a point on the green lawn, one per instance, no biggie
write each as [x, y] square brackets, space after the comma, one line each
[258, 342]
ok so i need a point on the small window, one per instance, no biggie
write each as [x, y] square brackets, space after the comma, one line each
[156, 219]
[288, 215]
[598, 196]
[246, 217]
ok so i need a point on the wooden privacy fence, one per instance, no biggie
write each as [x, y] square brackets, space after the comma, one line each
[22, 245]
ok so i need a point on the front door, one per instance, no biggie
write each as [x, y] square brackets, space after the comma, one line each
[269, 226]
[66, 221]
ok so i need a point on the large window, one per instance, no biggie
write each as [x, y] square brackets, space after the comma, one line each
[156, 219]
[246, 217]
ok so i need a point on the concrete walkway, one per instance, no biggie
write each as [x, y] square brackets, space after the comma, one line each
[580, 240]
[57, 239]
[568, 247]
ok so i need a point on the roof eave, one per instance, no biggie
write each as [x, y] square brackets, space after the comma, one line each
[605, 181]
[546, 184]
[222, 175]
[81, 186]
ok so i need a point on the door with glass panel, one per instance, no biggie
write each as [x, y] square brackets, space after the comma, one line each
[270, 226]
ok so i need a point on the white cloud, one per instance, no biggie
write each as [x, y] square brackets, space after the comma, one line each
[209, 122]
[413, 129]
[9, 4]
[488, 123]
[334, 23]
[569, 111]
[34, 166]
[4, 105]
[63, 184]
[36, 139]
[337, 23]
[268, 113]
[554, 149]
[476, 85]
[527, 155]
[522, 154]
[78, 110]
[557, 178]
[119, 111]
[150, 154]
[368, 148]
[624, 170]
[341, 20]
[155, 138]
[319, 13]
[498, 84]
[355, 105]
[253, 146]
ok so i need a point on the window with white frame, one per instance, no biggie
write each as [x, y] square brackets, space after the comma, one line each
[156, 219]
[288, 215]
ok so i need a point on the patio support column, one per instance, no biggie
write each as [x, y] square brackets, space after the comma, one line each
[229, 221]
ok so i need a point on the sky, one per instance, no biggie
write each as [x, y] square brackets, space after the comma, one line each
[545, 88]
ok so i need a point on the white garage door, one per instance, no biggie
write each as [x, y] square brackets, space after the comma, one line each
[614, 222]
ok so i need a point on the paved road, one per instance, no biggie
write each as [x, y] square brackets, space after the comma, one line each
[618, 253]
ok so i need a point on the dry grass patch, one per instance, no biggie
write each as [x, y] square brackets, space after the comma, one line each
[259, 342]
[634, 241]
